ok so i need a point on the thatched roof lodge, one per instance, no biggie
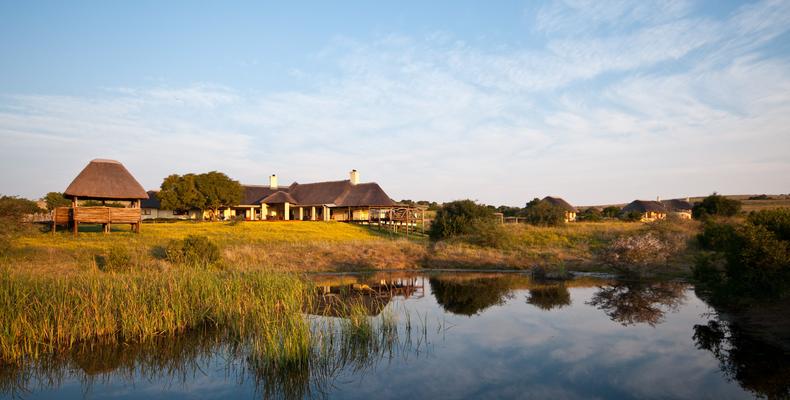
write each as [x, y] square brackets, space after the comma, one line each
[649, 210]
[678, 207]
[344, 200]
[102, 180]
[570, 211]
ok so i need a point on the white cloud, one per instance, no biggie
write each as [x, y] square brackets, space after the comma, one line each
[674, 105]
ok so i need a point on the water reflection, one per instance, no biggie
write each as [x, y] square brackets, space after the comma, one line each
[447, 335]
[470, 295]
[549, 297]
[636, 302]
[757, 360]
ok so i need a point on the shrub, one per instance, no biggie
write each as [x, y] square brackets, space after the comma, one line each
[56, 199]
[117, 259]
[194, 251]
[543, 213]
[458, 218]
[590, 215]
[716, 205]
[12, 214]
[611, 212]
[776, 221]
[632, 254]
[632, 216]
[755, 256]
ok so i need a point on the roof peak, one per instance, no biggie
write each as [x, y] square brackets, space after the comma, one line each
[105, 160]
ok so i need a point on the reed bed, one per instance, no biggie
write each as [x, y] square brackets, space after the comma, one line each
[44, 315]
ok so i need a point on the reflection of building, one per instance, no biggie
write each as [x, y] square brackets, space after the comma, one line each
[337, 296]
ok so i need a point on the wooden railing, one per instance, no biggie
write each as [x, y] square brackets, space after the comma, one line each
[97, 215]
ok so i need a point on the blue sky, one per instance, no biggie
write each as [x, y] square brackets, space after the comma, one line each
[501, 102]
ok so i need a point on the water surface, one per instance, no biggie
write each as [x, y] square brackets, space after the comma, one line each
[457, 335]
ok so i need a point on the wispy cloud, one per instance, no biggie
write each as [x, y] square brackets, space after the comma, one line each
[623, 100]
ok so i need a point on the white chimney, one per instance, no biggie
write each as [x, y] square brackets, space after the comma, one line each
[273, 181]
[354, 177]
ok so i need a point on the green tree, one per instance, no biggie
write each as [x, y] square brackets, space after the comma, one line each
[56, 199]
[611, 212]
[716, 205]
[544, 213]
[460, 217]
[217, 190]
[180, 193]
[750, 259]
[590, 214]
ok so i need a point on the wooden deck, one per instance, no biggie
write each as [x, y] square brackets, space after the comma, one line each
[106, 216]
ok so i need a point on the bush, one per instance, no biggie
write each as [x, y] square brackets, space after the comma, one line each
[12, 213]
[194, 251]
[776, 221]
[755, 256]
[611, 212]
[715, 205]
[117, 259]
[632, 254]
[590, 215]
[458, 218]
[543, 213]
[632, 216]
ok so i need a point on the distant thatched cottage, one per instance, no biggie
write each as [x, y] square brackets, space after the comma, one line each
[678, 207]
[570, 211]
[649, 210]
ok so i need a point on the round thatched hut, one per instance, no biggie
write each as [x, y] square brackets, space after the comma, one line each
[102, 180]
[649, 210]
[570, 211]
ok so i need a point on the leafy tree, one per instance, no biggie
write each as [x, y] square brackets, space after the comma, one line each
[461, 217]
[544, 213]
[750, 259]
[590, 215]
[716, 205]
[217, 190]
[97, 203]
[180, 193]
[611, 212]
[209, 191]
[56, 199]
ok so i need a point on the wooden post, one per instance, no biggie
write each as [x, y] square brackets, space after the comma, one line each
[75, 225]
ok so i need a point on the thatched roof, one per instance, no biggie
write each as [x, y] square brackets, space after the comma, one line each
[336, 193]
[365, 194]
[643, 206]
[677, 205]
[152, 201]
[279, 197]
[105, 179]
[253, 194]
[319, 192]
[558, 202]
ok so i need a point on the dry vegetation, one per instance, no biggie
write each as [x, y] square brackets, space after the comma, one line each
[311, 246]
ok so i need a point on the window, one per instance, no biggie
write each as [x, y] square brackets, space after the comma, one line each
[146, 211]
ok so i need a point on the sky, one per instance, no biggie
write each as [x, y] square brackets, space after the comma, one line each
[500, 102]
